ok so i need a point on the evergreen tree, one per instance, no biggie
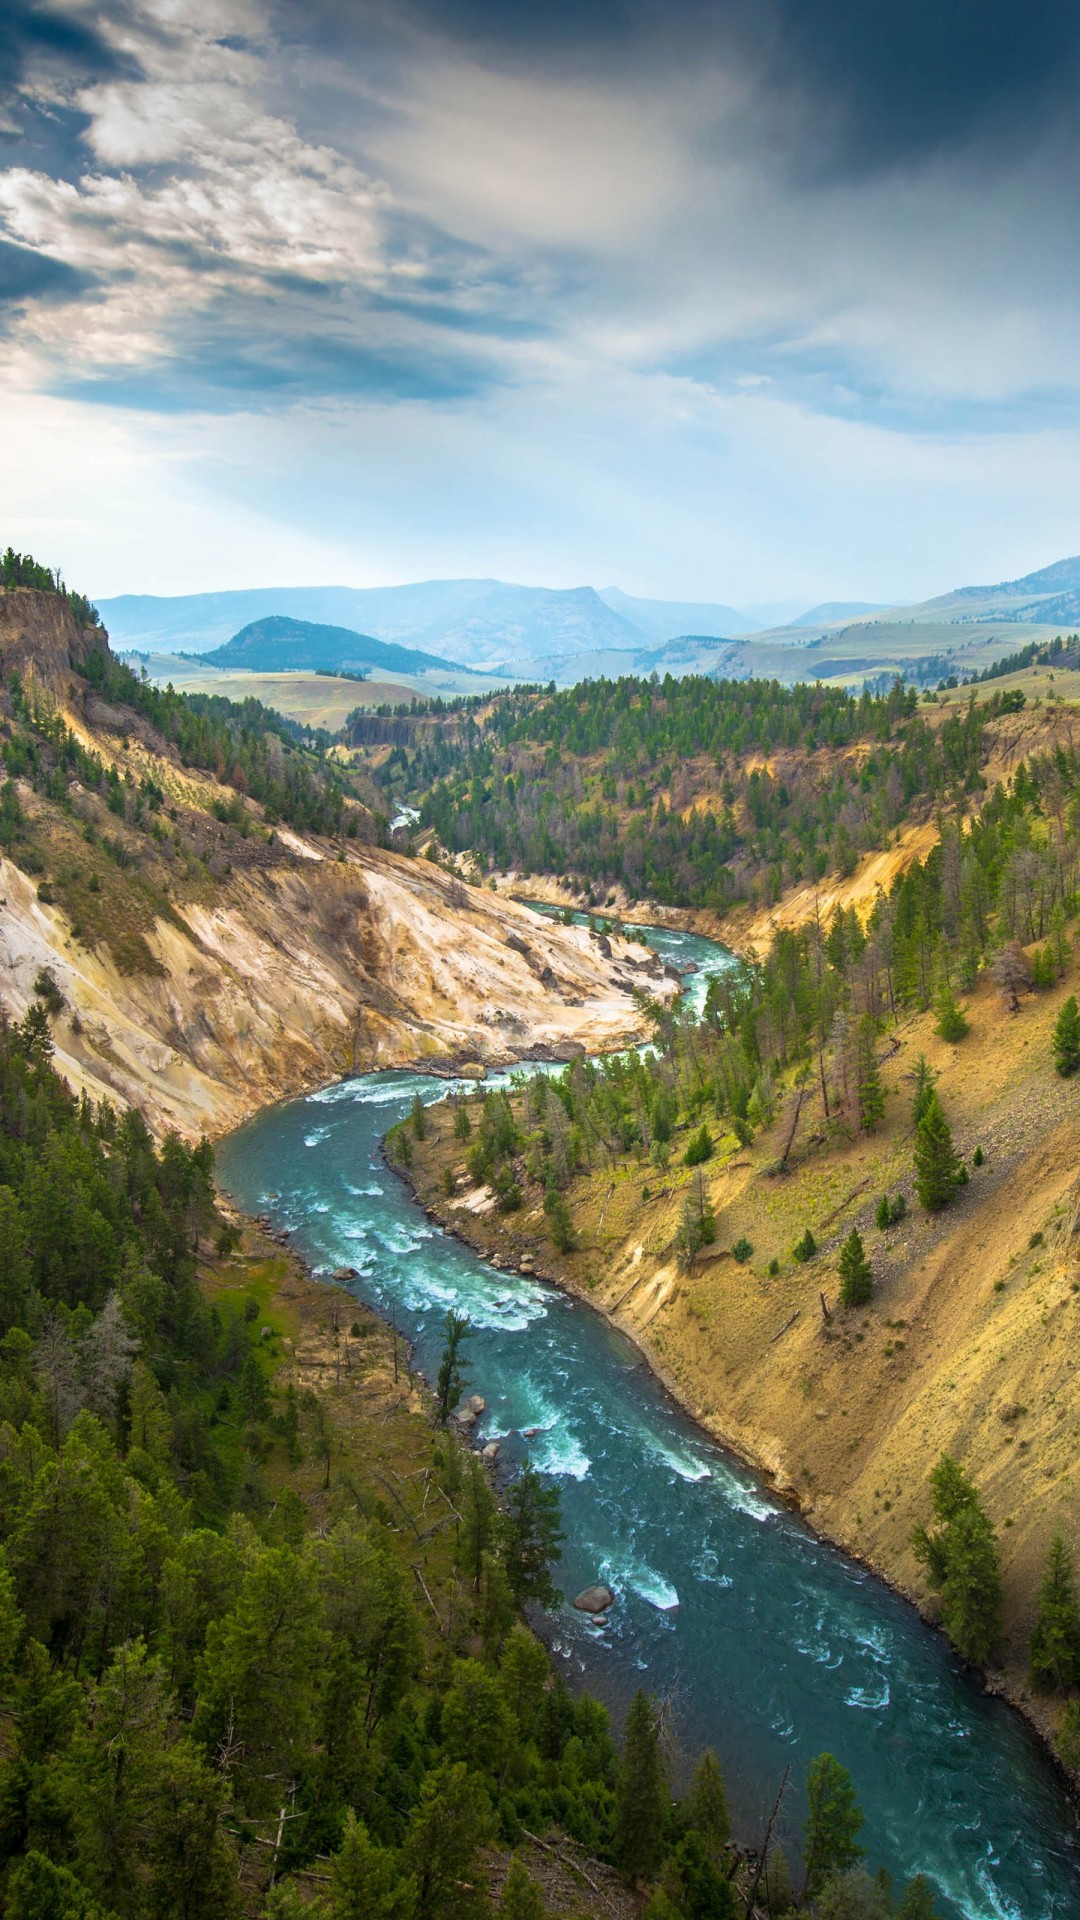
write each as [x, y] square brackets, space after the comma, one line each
[462, 1123]
[871, 1093]
[524, 1670]
[951, 1021]
[777, 1888]
[450, 1380]
[961, 1561]
[521, 1897]
[924, 1077]
[694, 1885]
[258, 1676]
[707, 1807]
[1066, 1040]
[833, 1822]
[938, 1171]
[477, 1725]
[560, 1221]
[418, 1118]
[1055, 1637]
[918, 1901]
[480, 1518]
[641, 1794]
[531, 1535]
[856, 1273]
[445, 1834]
[853, 1896]
[368, 1880]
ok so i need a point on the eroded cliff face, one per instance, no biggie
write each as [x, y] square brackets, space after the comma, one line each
[40, 638]
[297, 960]
[309, 970]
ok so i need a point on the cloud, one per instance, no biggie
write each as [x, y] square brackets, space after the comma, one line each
[553, 253]
[859, 87]
[29, 275]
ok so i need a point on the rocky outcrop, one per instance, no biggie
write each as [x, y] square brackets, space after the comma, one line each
[41, 639]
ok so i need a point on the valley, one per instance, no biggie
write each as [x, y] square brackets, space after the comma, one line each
[206, 903]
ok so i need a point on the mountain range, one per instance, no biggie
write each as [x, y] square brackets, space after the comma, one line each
[572, 633]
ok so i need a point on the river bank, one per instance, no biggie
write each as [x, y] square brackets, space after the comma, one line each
[792, 1646]
[768, 1419]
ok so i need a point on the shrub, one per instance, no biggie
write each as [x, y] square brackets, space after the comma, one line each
[742, 1250]
[804, 1249]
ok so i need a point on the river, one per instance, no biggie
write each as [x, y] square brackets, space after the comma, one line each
[773, 1645]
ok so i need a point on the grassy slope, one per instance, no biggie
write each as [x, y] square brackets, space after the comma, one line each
[971, 1339]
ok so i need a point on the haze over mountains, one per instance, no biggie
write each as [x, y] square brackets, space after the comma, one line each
[573, 633]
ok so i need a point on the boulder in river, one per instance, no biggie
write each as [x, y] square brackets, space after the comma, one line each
[491, 1451]
[594, 1600]
[346, 1273]
[465, 1417]
[477, 1402]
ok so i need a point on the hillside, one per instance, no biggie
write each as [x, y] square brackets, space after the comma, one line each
[968, 1345]
[278, 644]
[200, 896]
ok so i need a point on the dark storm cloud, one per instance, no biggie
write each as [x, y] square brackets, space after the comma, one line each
[880, 82]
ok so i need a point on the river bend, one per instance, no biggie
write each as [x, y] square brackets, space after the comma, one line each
[775, 1645]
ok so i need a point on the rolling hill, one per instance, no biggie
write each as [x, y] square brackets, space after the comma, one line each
[278, 643]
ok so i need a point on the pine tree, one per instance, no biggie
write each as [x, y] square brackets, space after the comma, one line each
[521, 1897]
[833, 1822]
[694, 1884]
[924, 1077]
[937, 1168]
[961, 1561]
[856, 1273]
[1066, 1041]
[449, 1381]
[871, 1094]
[1055, 1637]
[641, 1794]
[531, 1535]
[951, 1021]
[446, 1831]
[418, 1118]
[368, 1879]
[918, 1901]
[707, 1807]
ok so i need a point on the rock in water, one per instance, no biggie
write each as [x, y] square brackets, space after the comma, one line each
[477, 1402]
[595, 1600]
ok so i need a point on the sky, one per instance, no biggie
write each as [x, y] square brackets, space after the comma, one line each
[747, 301]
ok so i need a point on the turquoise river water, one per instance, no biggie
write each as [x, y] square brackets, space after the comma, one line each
[773, 1644]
